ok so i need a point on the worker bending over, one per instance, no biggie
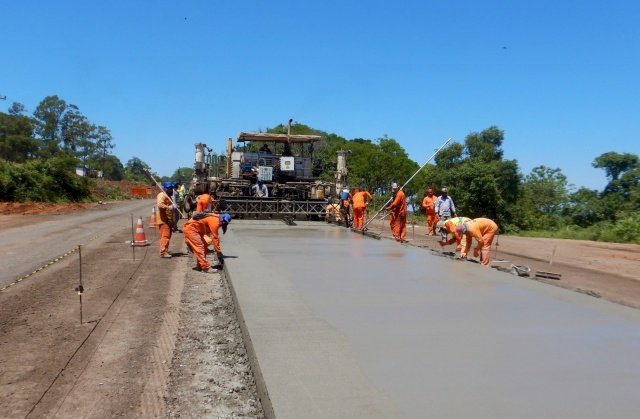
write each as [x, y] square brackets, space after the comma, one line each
[429, 205]
[333, 212]
[359, 206]
[449, 226]
[204, 202]
[483, 230]
[164, 217]
[199, 233]
[398, 214]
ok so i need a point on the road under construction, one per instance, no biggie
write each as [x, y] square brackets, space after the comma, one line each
[334, 324]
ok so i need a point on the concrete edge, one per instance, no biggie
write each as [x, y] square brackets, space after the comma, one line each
[261, 385]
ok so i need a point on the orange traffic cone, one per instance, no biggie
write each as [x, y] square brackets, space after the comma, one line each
[140, 238]
[152, 219]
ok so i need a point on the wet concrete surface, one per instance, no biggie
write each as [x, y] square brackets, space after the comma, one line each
[346, 326]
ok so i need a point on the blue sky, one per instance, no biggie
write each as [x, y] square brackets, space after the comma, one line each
[560, 78]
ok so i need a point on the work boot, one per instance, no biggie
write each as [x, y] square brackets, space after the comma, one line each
[165, 255]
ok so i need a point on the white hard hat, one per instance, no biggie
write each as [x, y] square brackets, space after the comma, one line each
[394, 185]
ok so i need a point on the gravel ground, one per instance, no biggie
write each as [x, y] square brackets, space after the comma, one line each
[210, 374]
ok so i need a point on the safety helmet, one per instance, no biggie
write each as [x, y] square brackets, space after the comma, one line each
[168, 184]
[461, 229]
[444, 190]
[440, 225]
[394, 185]
[225, 219]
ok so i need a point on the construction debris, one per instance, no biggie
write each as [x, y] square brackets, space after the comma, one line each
[548, 275]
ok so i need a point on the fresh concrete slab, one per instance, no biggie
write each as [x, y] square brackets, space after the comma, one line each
[346, 326]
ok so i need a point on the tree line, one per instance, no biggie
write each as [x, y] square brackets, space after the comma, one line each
[485, 184]
[40, 152]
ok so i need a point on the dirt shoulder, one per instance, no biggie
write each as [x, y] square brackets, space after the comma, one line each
[603, 270]
[142, 318]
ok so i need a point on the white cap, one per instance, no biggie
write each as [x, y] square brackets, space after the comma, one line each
[394, 185]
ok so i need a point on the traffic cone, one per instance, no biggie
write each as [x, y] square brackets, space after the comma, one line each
[152, 219]
[140, 238]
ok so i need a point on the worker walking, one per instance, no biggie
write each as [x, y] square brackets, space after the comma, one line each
[164, 217]
[483, 230]
[445, 208]
[398, 214]
[360, 201]
[449, 226]
[198, 233]
[429, 205]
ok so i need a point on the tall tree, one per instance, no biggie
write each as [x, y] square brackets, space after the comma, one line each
[16, 141]
[48, 116]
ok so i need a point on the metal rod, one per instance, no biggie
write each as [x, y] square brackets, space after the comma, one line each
[80, 288]
[166, 194]
[553, 253]
[133, 240]
[407, 182]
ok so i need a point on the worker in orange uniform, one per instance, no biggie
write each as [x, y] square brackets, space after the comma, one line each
[429, 205]
[204, 202]
[398, 214]
[333, 212]
[449, 226]
[198, 233]
[164, 217]
[359, 206]
[483, 230]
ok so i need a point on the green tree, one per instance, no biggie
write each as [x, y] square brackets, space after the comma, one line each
[183, 175]
[615, 164]
[135, 169]
[544, 197]
[48, 124]
[16, 141]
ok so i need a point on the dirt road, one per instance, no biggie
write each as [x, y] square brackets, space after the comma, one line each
[122, 360]
[602, 270]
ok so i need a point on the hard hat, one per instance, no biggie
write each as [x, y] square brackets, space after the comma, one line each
[168, 185]
[440, 225]
[345, 190]
[225, 219]
[394, 185]
[444, 190]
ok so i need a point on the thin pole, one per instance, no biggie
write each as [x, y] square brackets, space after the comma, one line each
[133, 239]
[407, 182]
[166, 194]
[80, 288]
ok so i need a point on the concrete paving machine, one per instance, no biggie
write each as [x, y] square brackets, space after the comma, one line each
[283, 163]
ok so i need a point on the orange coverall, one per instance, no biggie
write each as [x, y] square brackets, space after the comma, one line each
[429, 205]
[333, 213]
[203, 202]
[398, 216]
[484, 230]
[359, 205]
[194, 232]
[460, 240]
[164, 219]
[198, 234]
